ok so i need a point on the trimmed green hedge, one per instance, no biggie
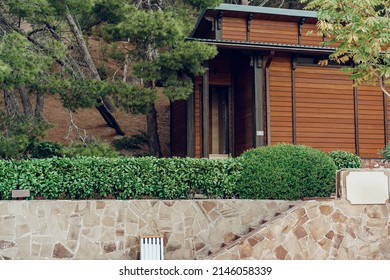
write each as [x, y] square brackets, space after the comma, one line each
[120, 178]
[345, 159]
[286, 171]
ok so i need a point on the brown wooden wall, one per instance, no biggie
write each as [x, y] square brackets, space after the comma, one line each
[281, 100]
[179, 128]
[371, 120]
[243, 104]
[234, 29]
[324, 108]
[310, 36]
[274, 32]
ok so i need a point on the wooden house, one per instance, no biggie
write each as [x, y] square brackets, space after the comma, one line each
[265, 86]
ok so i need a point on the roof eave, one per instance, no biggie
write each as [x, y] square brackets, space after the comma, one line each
[266, 46]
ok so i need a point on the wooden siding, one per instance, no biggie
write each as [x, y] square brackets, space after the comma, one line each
[234, 29]
[371, 120]
[179, 129]
[324, 108]
[274, 32]
[220, 69]
[198, 126]
[243, 104]
[310, 39]
[281, 100]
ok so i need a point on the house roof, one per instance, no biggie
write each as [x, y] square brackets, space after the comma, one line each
[228, 44]
[266, 10]
[243, 11]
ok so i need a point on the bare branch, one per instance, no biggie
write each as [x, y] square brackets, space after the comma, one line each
[383, 87]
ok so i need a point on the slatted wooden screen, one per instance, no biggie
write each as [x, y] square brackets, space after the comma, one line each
[234, 29]
[274, 31]
[325, 109]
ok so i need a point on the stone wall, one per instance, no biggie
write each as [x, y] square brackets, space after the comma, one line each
[111, 229]
[332, 229]
[318, 230]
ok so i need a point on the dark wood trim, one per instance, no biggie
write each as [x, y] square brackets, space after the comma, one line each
[294, 103]
[218, 26]
[385, 117]
[232, 93]
[300, 24]
[356, 119]
[205, 115]
[170, 127]
[267, 92]
[258, 100]
[248, 26]
[190, 127]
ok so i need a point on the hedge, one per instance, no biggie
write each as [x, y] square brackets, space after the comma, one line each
[286, 171]
[119, 178]
[345, 159]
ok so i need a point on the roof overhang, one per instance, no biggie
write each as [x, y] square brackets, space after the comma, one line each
[243, 11]
[254, 46]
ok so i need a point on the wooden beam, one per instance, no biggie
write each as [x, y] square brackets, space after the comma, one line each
[385, 118]
[356, 119]
[218, 26]
[268, 95]
[248, 26]
[258, 98]
[190, 127]
[293, 93]
[205, 115]
[300, 24]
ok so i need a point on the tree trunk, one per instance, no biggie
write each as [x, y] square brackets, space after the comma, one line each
[11, 104]
[105, 106]
[109, 118]
[152, 130]
[40, 101]
[26, 103]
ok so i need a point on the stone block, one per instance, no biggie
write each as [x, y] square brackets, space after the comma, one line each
[300, 232]
[326, 210]
[60, 252]
[91, 219]
[245, 251]
[4, 209]
[280, 253]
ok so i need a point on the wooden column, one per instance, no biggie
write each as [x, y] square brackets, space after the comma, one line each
[248, 26]
[385, 117]
[191, 124]
[294, 101]
[356, 120]
[205, 115]
[258, 100]
[218, 26]
[300, 30]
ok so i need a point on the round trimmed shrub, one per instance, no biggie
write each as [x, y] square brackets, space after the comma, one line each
[286, 171]
[345, 159]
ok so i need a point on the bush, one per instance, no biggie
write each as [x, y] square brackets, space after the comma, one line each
[286, 171]
[345, 159]
[134, 142]
[45, 149]
[120, 178]
[385, 153]
[91, 149]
